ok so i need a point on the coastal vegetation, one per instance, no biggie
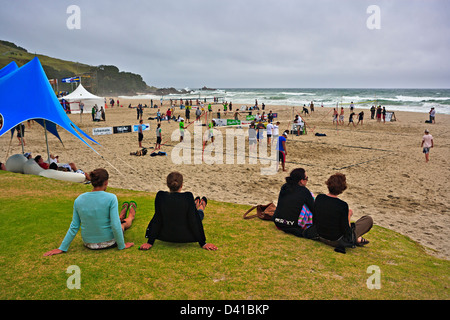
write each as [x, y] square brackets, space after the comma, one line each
[103, 80]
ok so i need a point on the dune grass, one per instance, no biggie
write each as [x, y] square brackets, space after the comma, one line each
[255, 261]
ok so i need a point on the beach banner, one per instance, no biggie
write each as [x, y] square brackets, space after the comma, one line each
[250, 117]
[233, 122]
[102, 131]
[71, 79]
[230, 122]
[145, 127]
[220, 122]
[122, 129]
[389, 116]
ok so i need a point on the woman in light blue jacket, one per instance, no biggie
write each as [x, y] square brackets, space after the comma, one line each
[97, 214]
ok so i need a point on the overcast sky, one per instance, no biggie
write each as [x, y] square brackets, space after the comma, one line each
[245, 43]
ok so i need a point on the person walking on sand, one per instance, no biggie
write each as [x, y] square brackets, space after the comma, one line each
[350, 119]
[427, 143]
[97, 214]
[360, 117]
[341, 116]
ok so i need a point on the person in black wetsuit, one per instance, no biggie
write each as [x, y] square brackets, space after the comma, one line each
[293, 195]
[178, 216]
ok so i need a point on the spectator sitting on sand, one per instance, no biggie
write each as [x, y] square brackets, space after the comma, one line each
[96, 213]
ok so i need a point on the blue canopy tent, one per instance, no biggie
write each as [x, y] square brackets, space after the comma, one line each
[26, 94]
[12, 66]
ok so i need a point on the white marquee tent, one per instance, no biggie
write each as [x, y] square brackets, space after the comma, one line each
[80, 94]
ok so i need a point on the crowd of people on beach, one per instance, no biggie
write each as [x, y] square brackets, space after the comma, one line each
[179, 216]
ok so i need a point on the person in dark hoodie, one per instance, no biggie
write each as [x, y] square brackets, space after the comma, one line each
[291, 199]
[178, 216]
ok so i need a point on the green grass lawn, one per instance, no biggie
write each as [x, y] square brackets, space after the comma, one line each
[255, 261]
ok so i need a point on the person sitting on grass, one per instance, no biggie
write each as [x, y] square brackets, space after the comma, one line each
[178, 217]
[293, 197]
[332, 218]
[97, 214]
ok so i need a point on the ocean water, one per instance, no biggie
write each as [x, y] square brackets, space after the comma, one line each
[413, 100]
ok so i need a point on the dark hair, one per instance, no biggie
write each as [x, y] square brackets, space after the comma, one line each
[174, 181]
[37, 158]
[337, 183]
[295, 176]
[53, 166]
[98, 177]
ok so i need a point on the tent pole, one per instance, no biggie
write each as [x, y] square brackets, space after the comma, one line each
[46, 140]
[22, 136]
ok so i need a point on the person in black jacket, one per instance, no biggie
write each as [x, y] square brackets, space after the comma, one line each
[293, 195]
[332, 217]
[178, 217]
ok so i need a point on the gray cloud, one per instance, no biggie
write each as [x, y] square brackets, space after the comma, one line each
[251, 43]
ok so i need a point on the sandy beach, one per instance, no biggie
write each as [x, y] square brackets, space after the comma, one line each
[386, 170]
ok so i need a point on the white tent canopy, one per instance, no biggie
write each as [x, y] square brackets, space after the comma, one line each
[81, 94]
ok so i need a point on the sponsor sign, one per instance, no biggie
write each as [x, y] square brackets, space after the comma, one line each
[145, 127]
[230, 122]
[233, 122]
[389, 116]
[122, 129]
[71, 79]
[102, 131]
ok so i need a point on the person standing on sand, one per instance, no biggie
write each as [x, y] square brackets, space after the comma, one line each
[181, 125]
[140, 133]
[335, 116]
[427, 143]
[282, 151]
[432, 115]
[158, 137]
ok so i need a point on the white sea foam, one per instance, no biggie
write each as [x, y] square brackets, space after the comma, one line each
[415, 100]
